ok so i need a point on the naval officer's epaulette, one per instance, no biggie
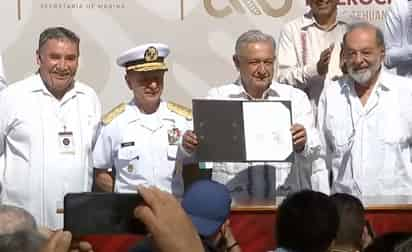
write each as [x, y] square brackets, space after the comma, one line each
[108, 118]
[180, 110]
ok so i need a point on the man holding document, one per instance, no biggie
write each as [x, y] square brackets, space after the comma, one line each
[254, 59]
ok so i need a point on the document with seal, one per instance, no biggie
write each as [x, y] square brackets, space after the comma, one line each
[243, 131]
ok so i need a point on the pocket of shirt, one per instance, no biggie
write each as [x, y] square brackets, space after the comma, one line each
[342, 136]
[342, 142]
[129, 158]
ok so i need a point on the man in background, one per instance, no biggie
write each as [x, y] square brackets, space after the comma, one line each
[309, 48]
[398, 37]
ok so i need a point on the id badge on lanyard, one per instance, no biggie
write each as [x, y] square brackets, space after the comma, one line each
[66, 142]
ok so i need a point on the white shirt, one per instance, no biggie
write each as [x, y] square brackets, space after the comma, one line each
[2, 86]
[368, 148]
[2, 75]
[398, 37]
[36, 174]
[300, 44]
[144, 149]
[264, 179]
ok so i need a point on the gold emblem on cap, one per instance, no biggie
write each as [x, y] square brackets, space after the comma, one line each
[151, 54]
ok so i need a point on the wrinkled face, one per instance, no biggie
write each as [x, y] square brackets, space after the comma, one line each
[362, 55]
[256, 64]
[147, 87]
[323, 7]
[58, 60]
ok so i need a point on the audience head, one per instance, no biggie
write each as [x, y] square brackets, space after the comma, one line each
[387, 242]
[363, 51]
[254, 59]
[58, 59]
[306, 221]
[13, 219]
[351, 220]
[22, 241]
[208, 204]
[405, 246]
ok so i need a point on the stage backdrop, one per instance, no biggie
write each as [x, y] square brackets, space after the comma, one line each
[200, 33]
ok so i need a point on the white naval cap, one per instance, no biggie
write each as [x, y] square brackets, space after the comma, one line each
[147, 57]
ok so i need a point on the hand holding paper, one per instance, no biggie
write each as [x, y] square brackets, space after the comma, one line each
[299, 137]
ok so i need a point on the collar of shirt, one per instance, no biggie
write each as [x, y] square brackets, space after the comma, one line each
[39, 86]
[309, 20]
[162, 112]
[269, 92]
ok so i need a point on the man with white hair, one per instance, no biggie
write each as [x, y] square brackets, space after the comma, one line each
[365, 121]
[255, 58]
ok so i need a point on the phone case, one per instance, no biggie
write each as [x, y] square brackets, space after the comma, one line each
[102, 213]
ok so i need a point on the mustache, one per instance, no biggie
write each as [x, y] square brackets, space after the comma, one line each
[60, 71]
[152, 90]
[262, 76]
[360, 70]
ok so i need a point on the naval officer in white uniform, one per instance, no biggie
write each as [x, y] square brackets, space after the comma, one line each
[141, 139]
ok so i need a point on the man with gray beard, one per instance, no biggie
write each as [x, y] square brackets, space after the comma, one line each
[365, 121]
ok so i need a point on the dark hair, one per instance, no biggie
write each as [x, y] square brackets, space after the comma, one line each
[58, 33]
[306, 221]
[380, 41]
[387, 242]
[351, 219]
[405, 246]
[22, 241]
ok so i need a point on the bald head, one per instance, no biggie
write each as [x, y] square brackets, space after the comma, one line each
[13, 219]
[365, 28]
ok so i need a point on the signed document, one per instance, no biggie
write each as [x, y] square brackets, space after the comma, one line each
[243, 131]
[267, 130]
